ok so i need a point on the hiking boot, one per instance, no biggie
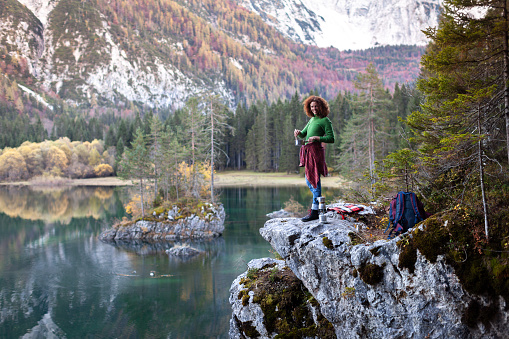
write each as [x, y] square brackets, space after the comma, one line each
[313, 215]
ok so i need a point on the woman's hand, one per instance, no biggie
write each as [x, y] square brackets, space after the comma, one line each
[296, 133]
[313, 139]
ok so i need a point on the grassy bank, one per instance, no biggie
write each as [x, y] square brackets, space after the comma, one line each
[249, 178]
[221, 179]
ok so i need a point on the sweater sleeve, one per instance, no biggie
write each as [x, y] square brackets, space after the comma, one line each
[329, 132]
[304, 131]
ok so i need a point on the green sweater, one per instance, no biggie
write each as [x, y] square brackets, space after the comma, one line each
[321, 127]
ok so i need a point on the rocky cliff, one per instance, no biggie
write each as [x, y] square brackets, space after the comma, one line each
[369, 290]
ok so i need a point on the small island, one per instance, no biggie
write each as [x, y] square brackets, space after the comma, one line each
[201, 220]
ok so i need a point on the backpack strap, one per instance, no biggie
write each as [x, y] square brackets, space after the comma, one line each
[400, 207]
[413, 199]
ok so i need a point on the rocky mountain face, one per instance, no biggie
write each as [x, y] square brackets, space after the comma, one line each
[86, 60]
[365, 290]
[349, 24]
[157, 54]
[22, 33]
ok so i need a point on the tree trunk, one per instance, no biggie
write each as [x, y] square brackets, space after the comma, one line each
[371, 142]
[142, 202]
[212, 154]
[506, 78]
[177, 173]
[481, 174]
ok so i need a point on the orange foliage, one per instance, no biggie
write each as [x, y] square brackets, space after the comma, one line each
[103, 170]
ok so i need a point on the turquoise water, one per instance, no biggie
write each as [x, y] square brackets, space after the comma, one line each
[56, 276]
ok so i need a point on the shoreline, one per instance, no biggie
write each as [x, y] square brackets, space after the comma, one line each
[221, 179]
[105, 181]
[259, 179]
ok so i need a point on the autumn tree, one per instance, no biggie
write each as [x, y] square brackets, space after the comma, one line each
[12, 165]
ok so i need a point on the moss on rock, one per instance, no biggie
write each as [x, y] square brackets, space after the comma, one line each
[480, 269]
[407, 257]
[286, 304]
[355, 239]
[246, 328]
[328, 243]
[371, 274]
[481, 265]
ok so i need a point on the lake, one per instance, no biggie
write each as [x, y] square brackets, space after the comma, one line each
[57, 278]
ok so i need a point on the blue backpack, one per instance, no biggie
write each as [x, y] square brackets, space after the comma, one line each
[405, 211]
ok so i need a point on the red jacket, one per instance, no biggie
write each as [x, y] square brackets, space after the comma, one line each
[312, 156]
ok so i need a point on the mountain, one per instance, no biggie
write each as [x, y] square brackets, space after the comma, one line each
[349, 24]
[158, 53]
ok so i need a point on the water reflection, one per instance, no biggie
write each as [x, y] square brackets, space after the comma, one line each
[56, 204]
[140, 247]
[55, 275]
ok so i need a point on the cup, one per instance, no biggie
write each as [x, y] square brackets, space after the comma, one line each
[297, 142]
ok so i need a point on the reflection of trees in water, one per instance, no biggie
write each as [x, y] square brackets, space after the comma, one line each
[69, 282]
[106, 284]
[10, 206]
[57, 204]
[185, 301]
[103, 193]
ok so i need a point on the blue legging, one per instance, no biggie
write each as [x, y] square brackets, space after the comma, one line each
[317, 192]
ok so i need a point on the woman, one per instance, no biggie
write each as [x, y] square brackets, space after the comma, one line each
[312, 154]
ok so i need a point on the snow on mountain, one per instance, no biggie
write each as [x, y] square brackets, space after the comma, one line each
[349, 24]
[41, 8]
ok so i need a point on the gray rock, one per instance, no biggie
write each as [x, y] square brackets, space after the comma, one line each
[192, 227]
[428, 303]
[248, 316]
[280, 214]
[251, 313]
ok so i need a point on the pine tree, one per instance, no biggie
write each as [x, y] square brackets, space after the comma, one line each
[265, 141]
[110, 138]
[365, 135]
[289, 152]
[194, 123]
[155, 140]
[459, 129]
[134, 164]
[470, 56]
[120, 147]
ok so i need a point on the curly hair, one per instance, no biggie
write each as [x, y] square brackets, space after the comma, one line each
[323, 106]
